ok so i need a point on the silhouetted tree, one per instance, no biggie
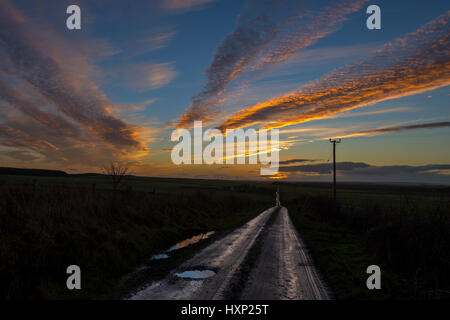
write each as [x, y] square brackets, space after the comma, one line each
[117, 172]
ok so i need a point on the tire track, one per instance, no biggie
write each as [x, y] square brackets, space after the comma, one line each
[285, 269]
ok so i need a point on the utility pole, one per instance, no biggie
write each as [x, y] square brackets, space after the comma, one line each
[334, 141]
[277, 201]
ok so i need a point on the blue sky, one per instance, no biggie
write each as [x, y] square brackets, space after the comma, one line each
[138, 69]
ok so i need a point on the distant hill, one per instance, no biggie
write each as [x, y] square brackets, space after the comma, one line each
[32, 172]
[89, 174]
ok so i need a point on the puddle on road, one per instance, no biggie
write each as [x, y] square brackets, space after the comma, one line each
[196, 274]
[192, 275]
[188, 242]
[160, 256]
[182, 244]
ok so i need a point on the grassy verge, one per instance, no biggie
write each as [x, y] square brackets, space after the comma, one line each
[410, 247]
[342, 258]
[44, 229]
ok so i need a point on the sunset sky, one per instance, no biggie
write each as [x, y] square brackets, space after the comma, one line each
[115, 90]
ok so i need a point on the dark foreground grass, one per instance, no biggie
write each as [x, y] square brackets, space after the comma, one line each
[412, 248]
[107, 233]
[342, 259]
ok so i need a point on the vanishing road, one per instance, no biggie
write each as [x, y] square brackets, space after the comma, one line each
[281, 269]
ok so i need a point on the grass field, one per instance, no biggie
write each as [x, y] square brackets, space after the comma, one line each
[48, 223]
[354, 194]
[410, 243]
[168, 186]
[47, 226]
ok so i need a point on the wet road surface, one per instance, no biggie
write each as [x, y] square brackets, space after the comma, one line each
[283, 269]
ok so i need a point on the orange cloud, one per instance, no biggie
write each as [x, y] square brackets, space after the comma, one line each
[40, 65]
[53, 113]
[17, 138]
[413, 64]
[267, 33]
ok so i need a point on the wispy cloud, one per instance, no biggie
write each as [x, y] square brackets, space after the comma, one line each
[397, 129]
[324, 168]
[156, 41]
[17, 138]
[148, 76]
[267, 33]
[54, 122]
[304, 28]
[291, 161]
[184, 5]
[357, 113]
[415, 63]
[153, 39]
[64, 114]
[149, 101]
[361, 168]
[21, 155]
[80, 101]
[233, 55]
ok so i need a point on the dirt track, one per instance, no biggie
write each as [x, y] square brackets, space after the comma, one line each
[283, 270]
